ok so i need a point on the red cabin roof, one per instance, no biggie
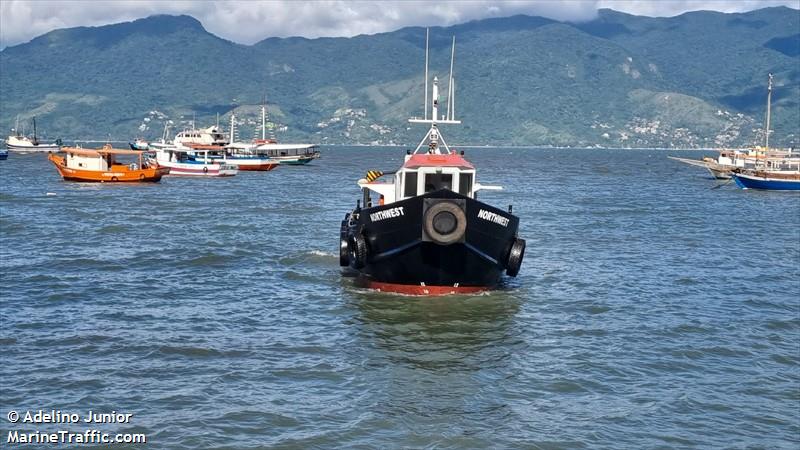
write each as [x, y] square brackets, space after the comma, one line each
[427, 160]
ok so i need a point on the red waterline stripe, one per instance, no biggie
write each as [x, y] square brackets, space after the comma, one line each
[415, 289]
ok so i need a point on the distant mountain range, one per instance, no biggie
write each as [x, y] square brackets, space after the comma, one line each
[695, 80]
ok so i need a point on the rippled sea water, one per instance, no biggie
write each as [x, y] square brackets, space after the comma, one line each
[651, 311]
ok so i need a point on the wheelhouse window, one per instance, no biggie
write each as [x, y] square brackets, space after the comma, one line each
[410, 189]
[436, 181]
[465, 184]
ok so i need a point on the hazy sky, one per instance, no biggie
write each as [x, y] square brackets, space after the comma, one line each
[250, 21]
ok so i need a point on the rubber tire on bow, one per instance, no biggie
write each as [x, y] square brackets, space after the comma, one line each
[515, 257]
[461, 223]
[205, 169]
[359, 251]
[114, 179]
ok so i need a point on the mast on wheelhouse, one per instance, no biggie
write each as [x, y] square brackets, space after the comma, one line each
[435, 141]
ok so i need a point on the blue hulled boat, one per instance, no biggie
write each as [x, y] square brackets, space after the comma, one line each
[775, 171]
[768, 181]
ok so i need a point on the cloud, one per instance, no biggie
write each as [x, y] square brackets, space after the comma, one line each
[247, 22]
[669, 8]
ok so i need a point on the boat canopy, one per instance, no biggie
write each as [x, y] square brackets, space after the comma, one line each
[270, 146]
[100, 151]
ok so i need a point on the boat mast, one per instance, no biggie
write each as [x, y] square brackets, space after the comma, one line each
[425, 83]
[450, 82]
[769, 106]
[264, 120]
[232, 138]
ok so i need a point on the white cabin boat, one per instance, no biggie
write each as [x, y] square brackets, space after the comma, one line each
[18, 142]
[212, 135]
[183, 162]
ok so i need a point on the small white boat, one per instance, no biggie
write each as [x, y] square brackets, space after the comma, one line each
[21, 143]
[192, 162]
[139, 144]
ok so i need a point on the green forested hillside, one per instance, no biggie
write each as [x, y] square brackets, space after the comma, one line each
[698, 79]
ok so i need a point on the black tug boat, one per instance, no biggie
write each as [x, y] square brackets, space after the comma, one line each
[425, 232]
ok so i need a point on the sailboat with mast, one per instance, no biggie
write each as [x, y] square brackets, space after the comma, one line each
[775, 171]
[284, 154]
[422, 230]
[19, 142]
[247, 156]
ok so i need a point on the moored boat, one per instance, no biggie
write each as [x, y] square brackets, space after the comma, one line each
[245, 155]
[424, 232]
[18, 142]
[770, 173]
[284, 154]
[768, 180]
[212, 135]
[249, 158]
[139, 144]
[194, 162]
[103, 165]
[289, 154]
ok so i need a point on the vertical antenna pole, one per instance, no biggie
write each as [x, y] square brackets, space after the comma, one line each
[427, 32]
[769, 105]
[233, 129]
[264, 119]
[450, 82]
[453, 107]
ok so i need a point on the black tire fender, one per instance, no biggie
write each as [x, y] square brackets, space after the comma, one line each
[456, 235]
[358, 251]
[205, 169]
[114, 179]
[515, 257]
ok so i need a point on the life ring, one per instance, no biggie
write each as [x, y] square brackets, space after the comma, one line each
[445, 223]
[358, 251]
[515, 257]
[205, 169]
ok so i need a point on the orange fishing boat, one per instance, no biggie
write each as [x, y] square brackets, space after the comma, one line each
[101, 165]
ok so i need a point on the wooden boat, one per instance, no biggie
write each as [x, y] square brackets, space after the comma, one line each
[102, 165]
[771, 173]
[730, 160]
[768, 180]
[741, 161]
